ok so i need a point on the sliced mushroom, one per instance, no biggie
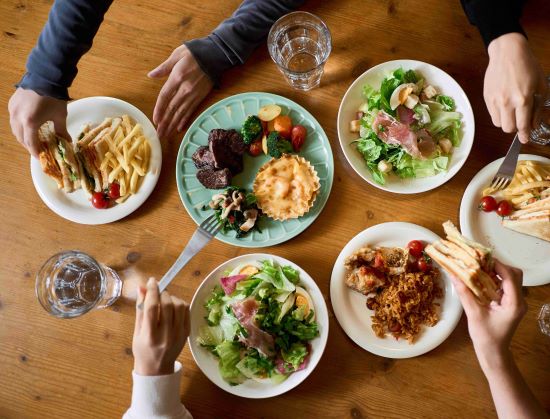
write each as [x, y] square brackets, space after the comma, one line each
[227, 210]
[250, 216]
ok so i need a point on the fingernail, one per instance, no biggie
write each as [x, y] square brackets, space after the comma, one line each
[151, 282]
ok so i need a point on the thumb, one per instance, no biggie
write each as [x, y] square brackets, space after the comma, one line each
[165, 68]
[468, 300]
[60, 126]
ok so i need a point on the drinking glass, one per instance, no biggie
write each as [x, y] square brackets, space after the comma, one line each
[541, 134]
[544, 319]
[300, 44]
[72, 283]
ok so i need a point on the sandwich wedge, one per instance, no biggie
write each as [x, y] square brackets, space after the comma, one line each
[57, 158]
[467, 261]
[532, 219]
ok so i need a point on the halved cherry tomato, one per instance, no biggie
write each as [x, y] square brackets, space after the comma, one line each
[255, 148]
[415, 248]
[423, 265]
[298, 137]
[488, 204]
[283, 125]
[504, 208]
[231, 219]
[114, 190]
[99, 200]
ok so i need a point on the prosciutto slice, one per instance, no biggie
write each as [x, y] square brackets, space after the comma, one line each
[393, 132]
[245, 312]
[426, 144]
[229, 283]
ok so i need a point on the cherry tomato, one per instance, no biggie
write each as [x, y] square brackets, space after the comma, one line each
[423, 265]
[504, 208]
[99, 200]
[415, 248]
[255, 148]
[298, 137]
[488, 204]
[114, 190]
[231, 219]
[283, 125]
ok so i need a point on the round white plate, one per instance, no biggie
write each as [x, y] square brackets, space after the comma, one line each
[75, 206]
[531, 254]
[437, 78]
[209, 364]
[354, 316]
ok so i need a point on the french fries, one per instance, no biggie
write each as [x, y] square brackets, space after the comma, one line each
[127, 160]
[531, 181]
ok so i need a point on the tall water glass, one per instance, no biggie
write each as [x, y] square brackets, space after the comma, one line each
[300, 44]
[72, 283]
[541, 134]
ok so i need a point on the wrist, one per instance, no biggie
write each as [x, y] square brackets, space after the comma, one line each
[504, 42]
[494, 361]
[153, 368]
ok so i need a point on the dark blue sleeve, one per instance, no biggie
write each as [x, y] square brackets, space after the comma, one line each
[68, 34]
[232, 42]
[494, 18]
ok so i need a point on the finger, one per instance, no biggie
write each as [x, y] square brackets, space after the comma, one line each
[31, 140]
[523, 121]
[166, 94]
[177, 118]
[185, 118]
[60, 126]
[512, 280]
[166, 312]
[508, 119]
[139, 309]
[467, 298]
[164, 68]
[171, 108]
[151, 305]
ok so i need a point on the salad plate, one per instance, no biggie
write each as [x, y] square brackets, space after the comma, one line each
[350, 306]
[389, 128]
[526, 252]
[218, 303]
[230, 113]
[76, 206]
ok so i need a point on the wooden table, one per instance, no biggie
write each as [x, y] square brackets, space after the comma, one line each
[81, 368]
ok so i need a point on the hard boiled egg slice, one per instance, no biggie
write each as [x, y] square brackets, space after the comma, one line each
[400, 94]
[249, 270]
[303, 299]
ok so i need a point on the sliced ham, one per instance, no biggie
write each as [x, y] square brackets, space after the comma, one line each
[405, 115]
[426, 144]
[245, 312]
[393, 132]
[230, 282]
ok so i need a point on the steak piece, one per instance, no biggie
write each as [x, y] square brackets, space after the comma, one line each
[236, 142]
[203, 158]
[214, 179]
[223, 155]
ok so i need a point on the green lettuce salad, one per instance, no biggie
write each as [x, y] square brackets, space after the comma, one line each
[406, 127]
[259, 323]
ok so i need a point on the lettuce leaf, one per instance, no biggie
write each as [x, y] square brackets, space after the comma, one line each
[295, 355]
[230, 354]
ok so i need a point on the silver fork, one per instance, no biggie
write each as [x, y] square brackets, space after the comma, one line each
[508, 167]
[206, 231]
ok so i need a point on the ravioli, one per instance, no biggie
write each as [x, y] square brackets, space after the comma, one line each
[286, 188]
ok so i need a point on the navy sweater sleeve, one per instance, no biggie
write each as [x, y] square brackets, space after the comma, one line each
[232, 42]
[494, 18]
[68, 34]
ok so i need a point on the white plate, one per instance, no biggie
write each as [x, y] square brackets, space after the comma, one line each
[209, 364]
[354, 316]
[75, 206]
[526, 252]
[434, 76]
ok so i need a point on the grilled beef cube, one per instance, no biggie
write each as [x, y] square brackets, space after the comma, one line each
[223, 156]
[203, 158]
[236, 142]
[214, 179]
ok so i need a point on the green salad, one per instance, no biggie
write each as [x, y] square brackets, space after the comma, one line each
[406, 127]
[259, 323]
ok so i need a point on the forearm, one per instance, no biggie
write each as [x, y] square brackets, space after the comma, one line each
[494, 18]
[67, 35]
[232, 42]
[512, 397]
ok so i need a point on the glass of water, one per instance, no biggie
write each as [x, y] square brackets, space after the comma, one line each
[541, 134]
[300, 44]
[544, 319]
[72, 283]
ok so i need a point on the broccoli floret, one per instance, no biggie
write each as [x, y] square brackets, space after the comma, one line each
[276, 145]
[251, 129]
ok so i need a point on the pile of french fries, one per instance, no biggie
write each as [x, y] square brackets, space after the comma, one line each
[127, 160]
[531, 181]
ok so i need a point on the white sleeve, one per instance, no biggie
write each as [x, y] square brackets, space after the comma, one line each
[157, 397]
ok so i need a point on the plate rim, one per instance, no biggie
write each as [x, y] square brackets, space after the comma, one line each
[385, 188]
[289, 236]
[105, 217]
[376, 350]
[322, 336]
[468, 196]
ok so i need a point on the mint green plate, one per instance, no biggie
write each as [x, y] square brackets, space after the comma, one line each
[231, 113]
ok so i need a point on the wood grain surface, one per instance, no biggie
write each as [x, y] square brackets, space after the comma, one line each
[81, 368]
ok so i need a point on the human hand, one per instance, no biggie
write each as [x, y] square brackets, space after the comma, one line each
[492, 327]
[186, 87]
[512, 79]
[161, 329]
[28, 111]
